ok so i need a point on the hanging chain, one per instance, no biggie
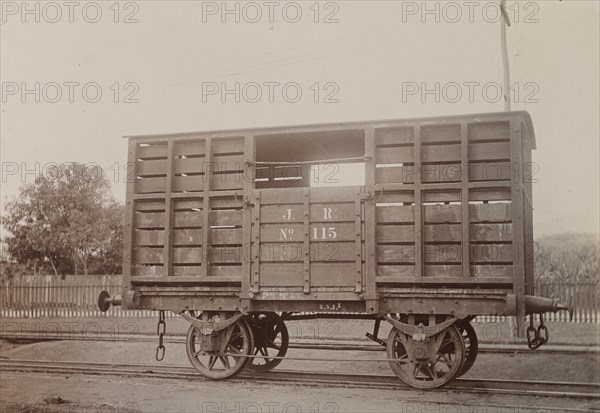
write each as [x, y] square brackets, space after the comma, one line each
[536, 337]
[161, 329]
[542, 331]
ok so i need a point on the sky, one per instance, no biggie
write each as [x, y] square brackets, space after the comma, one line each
[76, 79]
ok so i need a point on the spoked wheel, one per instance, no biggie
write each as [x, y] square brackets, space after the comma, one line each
[419, 364]
[271, 339]
[220, 355]
[471, 346]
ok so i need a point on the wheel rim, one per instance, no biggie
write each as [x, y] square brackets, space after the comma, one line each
[471, 346]
[237, 342]
[425, 373]
[271, 339]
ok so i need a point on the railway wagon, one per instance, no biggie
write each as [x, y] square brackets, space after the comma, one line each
[230, 230]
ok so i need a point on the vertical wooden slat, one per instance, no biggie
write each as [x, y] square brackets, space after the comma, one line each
[517, 223]
[168, 212]
[256, 243]
[369, 207]
[358, 244]
[128, 249]
[249, 176]
[208, 174]
[306, 247]
[466, 238]
[418, 206]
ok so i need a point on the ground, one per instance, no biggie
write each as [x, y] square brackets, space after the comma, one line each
[73, 393]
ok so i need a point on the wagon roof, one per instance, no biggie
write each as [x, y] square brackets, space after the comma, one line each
[273, 130]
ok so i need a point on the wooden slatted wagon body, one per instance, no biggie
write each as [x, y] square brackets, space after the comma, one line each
[229, 229]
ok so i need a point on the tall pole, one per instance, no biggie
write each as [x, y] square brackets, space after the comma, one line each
[503, 23]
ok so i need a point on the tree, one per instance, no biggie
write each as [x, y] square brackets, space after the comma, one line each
[109, 258]
[62, 220]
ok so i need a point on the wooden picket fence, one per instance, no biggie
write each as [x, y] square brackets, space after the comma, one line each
[51, 296]
[77, 296]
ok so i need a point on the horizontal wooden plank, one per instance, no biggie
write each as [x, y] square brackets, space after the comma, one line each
[332, 212]
[316, 195]
[226, 236]
[478, 233]
[394, 136]
[151, 167]
[178, 270]
[441, 153]
[441, 196]
[321, 274]
[152, 237]
[187, 236]
[396, 271]
[229, 202]
[403, 174]
[441, 213]
[389, 155]
[442, 253]
[487, 253]
[469, 282]
[188, 204]
[318, 232]
[187, 219]
[225, 271]
[145, 255]
[189, 148]
[150, 206]
[318, 252]
[150, 185]
[228, 254]
[499, 212]
[490, 171]
[491, 270]
[395, 233]
[146, 270]
[282, 184]
[442, 233]
[440, 173]
[491, 232]
[152, 151]
[234, 145]
[448, 172]
[489, 131]
[285, 171]
[191, 166]
[498, 194]
[393, 197]
[227, 163]
[395, 214]
[191, 183]
[186, 255]
[227, 181]
[489, 151]
[225, 218]
[442, 270]
[149, 220]
[440, 133]
[395, 253]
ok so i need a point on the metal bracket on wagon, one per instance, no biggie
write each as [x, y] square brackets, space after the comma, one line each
[208, 327]
[539, 305]
[420, 332]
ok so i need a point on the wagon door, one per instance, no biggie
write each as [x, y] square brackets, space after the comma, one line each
[308, 242]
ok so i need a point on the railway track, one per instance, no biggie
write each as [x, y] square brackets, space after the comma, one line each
[543, 389]
[492, 348]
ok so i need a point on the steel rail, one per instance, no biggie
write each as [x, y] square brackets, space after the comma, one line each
[342, 345]
[547, 389]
